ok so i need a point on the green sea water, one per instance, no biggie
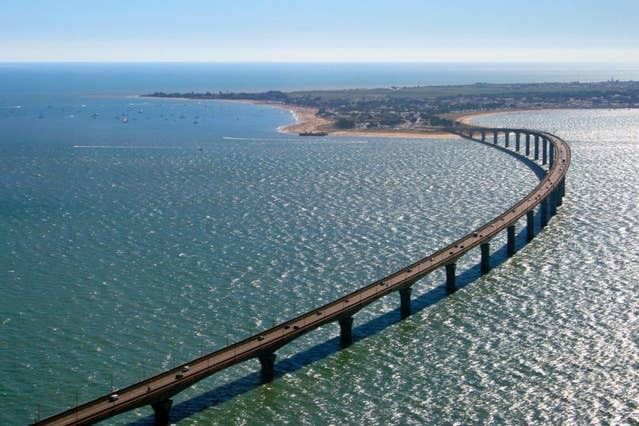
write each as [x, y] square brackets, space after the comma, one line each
[129, 246]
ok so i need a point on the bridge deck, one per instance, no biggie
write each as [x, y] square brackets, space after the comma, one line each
[163, 386]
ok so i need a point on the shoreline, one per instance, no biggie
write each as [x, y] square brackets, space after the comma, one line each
[307, 120]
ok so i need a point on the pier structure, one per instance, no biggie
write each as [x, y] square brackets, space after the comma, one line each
[158, 390]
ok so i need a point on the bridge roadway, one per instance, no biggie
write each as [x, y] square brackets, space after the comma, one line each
[157, 390]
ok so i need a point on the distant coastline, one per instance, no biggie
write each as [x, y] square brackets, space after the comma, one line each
[308, 120]
[422, 111]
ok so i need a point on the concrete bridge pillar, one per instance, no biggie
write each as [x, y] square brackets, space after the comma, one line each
[404, 298]
[530, 225]
[554, 195]
[551, 154]
[560, 200]
[267, 361]
[346, 331]
[527, 144]
[536, 147]
[517, 141]
[495, 136]
[483, 136]
[485, 258]
[544, 212]
[451, 279]
[544, 151]
[560, 193]
[511, 247]
[162, 412]
[507, 135]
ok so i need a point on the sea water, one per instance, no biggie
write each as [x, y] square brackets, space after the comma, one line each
[139, 233]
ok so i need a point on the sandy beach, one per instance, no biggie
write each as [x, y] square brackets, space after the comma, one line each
[307, 120]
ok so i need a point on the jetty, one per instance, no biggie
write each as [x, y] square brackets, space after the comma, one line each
[312, 134]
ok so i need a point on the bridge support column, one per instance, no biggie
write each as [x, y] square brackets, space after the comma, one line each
[530, 225]
[268, 366]
[507, 143]
[544, 212]
[346, 331]
[162, 412]
[544, 151]
[560, 193]
[511, 247]
[495, 138]
[551, 154]
[404, 298]
[483, 136]
[527, 144]
[517, 141]
[536, 147]
[485, 258]
[451, 279]
[554, 196]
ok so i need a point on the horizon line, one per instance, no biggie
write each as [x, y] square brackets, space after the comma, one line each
[364, 62]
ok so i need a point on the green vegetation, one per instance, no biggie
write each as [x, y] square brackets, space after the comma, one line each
[344, 123]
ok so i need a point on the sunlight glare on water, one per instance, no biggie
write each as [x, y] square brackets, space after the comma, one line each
[123, 260]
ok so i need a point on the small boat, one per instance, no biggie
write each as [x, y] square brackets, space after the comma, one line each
[312, 133]
[125, 119]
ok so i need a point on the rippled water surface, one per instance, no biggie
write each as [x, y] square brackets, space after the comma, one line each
[550, 336]
[130, 247]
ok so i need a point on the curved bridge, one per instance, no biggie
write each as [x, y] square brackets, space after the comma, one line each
[548, 149]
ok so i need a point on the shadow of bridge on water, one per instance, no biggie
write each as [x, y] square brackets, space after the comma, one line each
[251, 381]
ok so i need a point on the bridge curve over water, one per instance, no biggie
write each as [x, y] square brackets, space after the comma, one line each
[157, 391]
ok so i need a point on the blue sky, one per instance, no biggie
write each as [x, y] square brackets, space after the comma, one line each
[327, 30]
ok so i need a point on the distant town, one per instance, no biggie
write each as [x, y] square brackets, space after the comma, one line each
[431, 107]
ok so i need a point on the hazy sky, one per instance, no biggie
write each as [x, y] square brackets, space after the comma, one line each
[327, 30]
